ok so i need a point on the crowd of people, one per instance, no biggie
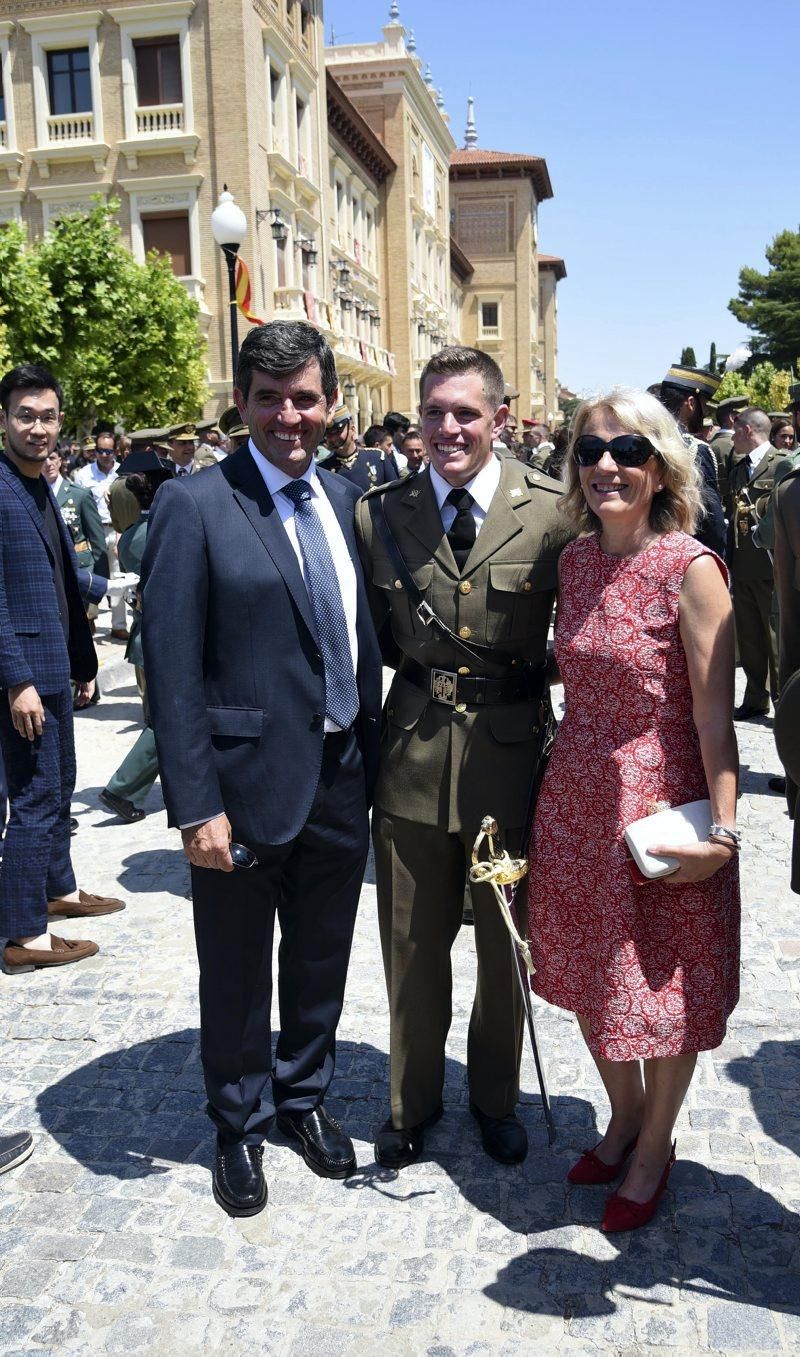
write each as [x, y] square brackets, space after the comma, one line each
[310, 557]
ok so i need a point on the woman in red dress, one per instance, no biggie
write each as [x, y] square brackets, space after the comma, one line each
[645, 647]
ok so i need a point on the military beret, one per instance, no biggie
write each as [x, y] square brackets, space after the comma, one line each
[731, 403]
[696, 381]
[182, 433]
[787, 727]
[341, 415]
[230, 423]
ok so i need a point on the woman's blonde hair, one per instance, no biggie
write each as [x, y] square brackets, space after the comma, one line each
[678, 506]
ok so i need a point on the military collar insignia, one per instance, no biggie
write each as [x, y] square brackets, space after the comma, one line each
[515, 493]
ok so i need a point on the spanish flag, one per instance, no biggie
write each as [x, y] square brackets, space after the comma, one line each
[244, 292]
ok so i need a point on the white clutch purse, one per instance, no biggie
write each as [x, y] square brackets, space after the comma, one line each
[677, 825]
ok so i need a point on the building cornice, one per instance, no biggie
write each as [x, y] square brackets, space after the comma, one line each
[479, 164]
[345, 121]
[552, 262]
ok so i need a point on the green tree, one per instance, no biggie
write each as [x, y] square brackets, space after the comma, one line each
[769, 303]
[688, 359]
[732, 384]
[122, 337]
[712, 358]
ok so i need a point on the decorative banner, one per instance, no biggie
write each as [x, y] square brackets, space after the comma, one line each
[244, 292]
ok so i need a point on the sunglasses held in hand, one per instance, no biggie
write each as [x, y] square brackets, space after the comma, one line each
[628, 449]
[242, 856]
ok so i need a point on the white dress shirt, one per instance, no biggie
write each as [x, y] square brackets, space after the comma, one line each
[482, 488]
[275, 480]
[99, 482]
[756, 456]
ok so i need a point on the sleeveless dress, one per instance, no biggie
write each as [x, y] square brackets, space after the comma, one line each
[654, 968]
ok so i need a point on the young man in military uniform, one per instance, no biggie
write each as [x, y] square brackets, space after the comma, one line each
[365, 467]
[479, 539]
[721, 443]
[751, 480]
[79, 512]
[684, 392]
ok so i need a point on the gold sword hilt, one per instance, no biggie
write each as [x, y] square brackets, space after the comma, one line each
[500, 869]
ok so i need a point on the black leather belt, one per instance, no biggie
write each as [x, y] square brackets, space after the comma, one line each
[451, 688]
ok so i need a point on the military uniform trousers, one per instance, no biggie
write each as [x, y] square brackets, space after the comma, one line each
[41, 778]
[139, 769]
[756, 640]
[420, 872]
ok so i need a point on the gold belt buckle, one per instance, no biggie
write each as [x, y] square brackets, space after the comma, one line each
[443, 686]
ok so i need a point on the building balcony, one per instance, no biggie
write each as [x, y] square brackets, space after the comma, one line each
[160, 128]
[362, 357]
[70, 136]
[10, 161]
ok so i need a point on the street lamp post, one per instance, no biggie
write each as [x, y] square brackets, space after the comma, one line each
[229, 227]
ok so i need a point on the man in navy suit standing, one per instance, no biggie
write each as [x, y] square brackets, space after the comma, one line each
[263, 674]
[44, 642]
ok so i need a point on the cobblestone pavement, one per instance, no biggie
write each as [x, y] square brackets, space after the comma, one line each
[110, 1240]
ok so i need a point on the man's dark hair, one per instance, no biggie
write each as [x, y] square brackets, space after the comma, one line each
[106, 433]
[457, 359]
[412, 432]
[280, 348]
[29, 377]
[394, 422]
[375, 435]
[103, 426]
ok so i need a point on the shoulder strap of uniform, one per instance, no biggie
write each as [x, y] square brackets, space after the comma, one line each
[428, 618]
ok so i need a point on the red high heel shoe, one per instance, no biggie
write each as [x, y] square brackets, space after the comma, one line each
[590, 1170]
[623, 1214]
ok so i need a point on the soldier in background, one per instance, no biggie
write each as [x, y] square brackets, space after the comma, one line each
[232, 426]
[751, 480]
[364, 467]
[684, 392]
[721, 443]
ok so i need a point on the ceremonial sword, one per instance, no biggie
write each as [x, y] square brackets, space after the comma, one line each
[502, 873]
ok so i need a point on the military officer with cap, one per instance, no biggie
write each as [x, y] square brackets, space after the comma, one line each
[365, 467]
[684, 392]
[721, 443]
[752, 476]
[123, 505]
[786, 511]
[233, 427]
[183, 450]
[461, 561]
[126, 790]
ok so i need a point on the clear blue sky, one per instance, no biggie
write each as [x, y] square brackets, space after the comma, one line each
[672, 138]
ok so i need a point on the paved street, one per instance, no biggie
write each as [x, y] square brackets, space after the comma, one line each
[110, 1240]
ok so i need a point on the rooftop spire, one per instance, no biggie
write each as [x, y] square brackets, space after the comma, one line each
[471, 136]
[411, 44]
[428, 77]
[394, 12]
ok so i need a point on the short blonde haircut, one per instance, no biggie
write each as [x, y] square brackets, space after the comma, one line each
[675, 508]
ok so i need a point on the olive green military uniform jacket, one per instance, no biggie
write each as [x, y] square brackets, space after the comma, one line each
[765, 532]
[79, 512]
[451, 765]
[748, 561]
[123, 505]
[131, 551]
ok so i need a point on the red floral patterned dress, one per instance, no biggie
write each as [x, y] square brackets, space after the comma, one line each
[654, 968]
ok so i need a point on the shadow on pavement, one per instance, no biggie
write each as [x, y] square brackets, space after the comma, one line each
[772, 1077]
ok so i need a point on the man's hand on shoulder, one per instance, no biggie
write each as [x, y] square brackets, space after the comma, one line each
[208, 844]
[27, 712]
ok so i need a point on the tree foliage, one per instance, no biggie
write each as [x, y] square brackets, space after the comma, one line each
[122, 337]
[765, 386]
[688, 359]
[769, 303]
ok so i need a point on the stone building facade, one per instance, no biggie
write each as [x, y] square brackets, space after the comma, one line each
[341, 159]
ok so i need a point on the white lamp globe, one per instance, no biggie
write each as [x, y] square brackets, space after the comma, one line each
[228, 222]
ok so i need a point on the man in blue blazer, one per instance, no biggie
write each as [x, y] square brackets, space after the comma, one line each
[44, 642]
[263, 675]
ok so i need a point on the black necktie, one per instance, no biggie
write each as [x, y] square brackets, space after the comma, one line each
[461, 533]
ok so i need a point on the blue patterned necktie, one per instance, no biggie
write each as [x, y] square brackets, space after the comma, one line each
[322, 582]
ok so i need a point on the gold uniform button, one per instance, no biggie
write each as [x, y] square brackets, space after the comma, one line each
[398, 584]
[460, 706]
[463, 671]
[465, 587]
[527, 586]
[465, 633]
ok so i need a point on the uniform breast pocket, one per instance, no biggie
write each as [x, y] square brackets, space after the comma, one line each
[519, 598]
[404, 614]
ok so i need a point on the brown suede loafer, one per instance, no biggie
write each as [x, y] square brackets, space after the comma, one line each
[17, 960]
[85, 907]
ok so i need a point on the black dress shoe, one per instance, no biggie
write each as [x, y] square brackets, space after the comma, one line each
[746, 713]
[73, 825]
[503, 1138]
[397, 1149]
[240, 1187]
[777, 784]
[14, 1149]
[121, 807]
[326, 1148]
